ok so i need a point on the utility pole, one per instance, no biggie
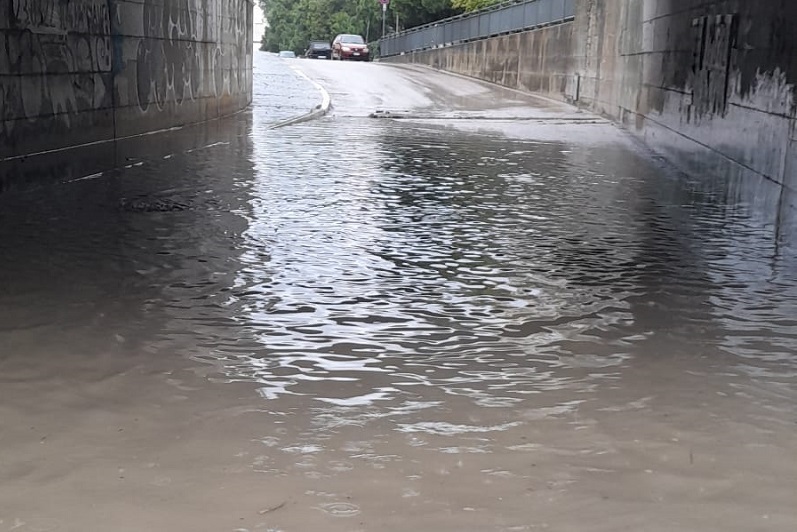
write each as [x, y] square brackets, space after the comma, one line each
[384, 14]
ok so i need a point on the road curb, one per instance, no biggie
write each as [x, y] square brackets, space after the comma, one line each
[317, 112]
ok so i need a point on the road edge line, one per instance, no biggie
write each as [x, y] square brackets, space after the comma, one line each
[317, 112]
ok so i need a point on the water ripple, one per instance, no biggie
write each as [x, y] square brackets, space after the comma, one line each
[370, 263]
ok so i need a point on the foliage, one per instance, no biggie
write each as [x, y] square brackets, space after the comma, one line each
[472, 5]
[294, 23]
[416, 12]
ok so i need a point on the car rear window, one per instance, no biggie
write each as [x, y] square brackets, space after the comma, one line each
[352, 39]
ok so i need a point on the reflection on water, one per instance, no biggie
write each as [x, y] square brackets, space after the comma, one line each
[429, 283]
[486, 268]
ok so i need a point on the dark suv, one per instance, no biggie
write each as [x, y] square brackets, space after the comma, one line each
[318, 50]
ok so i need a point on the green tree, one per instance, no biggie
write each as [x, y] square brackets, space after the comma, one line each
[472, 5]
[293, 23]
[413, 13]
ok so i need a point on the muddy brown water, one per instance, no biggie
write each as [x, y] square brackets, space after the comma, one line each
[377, 325]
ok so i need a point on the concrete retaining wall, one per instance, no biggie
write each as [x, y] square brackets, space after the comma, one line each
[75, 74]
[709, 84]
[537, 61]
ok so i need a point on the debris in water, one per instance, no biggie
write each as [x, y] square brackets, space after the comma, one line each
[272, 508]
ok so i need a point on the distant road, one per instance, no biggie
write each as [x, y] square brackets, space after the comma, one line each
[359, 89]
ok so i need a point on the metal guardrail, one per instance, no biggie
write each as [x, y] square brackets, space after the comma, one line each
[489, 22]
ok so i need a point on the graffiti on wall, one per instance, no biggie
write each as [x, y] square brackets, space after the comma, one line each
[71, 39]
[67, 64]
[714, 38]
[185, 40]
[76, 16]
[169, 56]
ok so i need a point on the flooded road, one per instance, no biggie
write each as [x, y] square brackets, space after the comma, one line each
[494, 314]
